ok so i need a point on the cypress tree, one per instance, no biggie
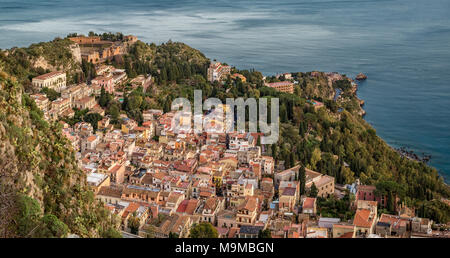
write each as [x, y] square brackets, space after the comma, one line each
[302, 178]
[314, 191]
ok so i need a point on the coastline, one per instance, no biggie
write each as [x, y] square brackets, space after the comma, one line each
[402, 151]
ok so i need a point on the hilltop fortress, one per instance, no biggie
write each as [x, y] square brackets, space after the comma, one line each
[96, 50]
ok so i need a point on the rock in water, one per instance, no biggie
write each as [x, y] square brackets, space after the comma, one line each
[361, 77]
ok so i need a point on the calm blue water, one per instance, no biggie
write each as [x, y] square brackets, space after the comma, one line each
[402, 45]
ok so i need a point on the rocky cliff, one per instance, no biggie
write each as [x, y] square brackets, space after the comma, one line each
[42, 191]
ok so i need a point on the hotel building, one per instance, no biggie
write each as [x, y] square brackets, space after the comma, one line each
[54, 80]
[284, 86]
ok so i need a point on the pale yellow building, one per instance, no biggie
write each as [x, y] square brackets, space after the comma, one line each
[247, 211]
[54, 80]
[83, 103]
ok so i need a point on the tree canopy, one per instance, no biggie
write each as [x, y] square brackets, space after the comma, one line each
[203, 230]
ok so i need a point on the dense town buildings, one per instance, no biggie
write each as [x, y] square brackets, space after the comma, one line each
[171, 181]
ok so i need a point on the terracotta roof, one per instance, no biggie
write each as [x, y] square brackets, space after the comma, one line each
[229, 158]
[159, 175]
[325, 179]
[277, 84]
[173, 197]
[182, 207]
[393, 220]
[115, 169]
[308, 203]
[343, 226]
[249, 204]
[191, 206]
[111, 191]
[211, 204]
[147, 179]
[179, 224]
[347, 235]
[222, 231]
[267, 179]
[233, 232]
[205, 194]
[289, 191]
[362, 218]
[91, 138]
[132, 207]
[85, 99]
[48, 75]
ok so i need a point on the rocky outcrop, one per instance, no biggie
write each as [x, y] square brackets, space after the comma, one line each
[42, 63]
[361, 77]
[76, 52]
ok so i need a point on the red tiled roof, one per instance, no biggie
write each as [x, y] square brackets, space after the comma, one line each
[249, 204]
[182, 207]
[309, 202]
[91, 138]
[347, 235]
[48, 75]
[362, 218]
[267, 179]
[191, 206]
[205, 194]
[276, 84]
[233, 232]
[132, 207]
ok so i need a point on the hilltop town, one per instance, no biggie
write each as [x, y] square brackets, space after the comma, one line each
[157, 183]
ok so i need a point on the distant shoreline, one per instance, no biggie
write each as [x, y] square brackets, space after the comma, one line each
[403, 151]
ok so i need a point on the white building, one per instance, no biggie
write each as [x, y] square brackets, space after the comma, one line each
[54, 80]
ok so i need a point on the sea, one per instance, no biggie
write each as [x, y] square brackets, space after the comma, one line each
[403, 46]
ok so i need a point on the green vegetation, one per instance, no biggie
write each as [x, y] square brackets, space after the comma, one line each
[334, 140]
[264, 233]
[335, 208]
[105, 98]
[93, 119]
[88, 72]
[313, 191]
[134, 223]
[51, 93]
[135, 103]
[43, 193]
[111, 233]
[168, 63]
[203, 230]
[435, 210]
[30, 222]
[302, 178]
[26, 63]
[109, 36]
[173, 235]
[83, 115]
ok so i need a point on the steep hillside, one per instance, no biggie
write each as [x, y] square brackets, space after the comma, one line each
[26, 63]
[168, 62]
[41, 187]
[42, 191]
